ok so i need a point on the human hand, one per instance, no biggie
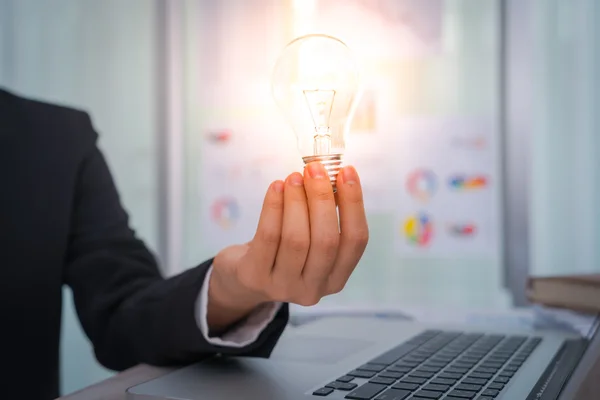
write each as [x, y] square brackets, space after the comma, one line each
[300, 253]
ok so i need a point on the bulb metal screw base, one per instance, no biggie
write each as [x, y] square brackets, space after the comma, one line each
[332, 164]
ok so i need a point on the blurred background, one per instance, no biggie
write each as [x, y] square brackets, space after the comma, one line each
[477, 135]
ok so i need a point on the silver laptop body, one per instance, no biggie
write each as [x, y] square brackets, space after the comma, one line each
[308, 361]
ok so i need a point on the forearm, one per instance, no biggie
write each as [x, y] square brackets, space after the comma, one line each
[129, 312]
[153, 323]
[157, 322]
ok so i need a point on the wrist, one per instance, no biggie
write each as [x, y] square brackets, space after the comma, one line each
[227, 303]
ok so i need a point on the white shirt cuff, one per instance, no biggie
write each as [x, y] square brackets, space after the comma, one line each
[243, 334]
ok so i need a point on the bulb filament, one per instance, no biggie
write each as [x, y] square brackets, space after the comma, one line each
[320, 104]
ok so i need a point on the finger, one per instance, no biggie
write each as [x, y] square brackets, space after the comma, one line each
[263, 247]
[295, 239]
[354, 231]
[324, 228]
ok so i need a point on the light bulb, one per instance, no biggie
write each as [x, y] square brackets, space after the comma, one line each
[315, 83]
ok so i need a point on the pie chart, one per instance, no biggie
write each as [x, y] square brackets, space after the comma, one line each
[422, 184]
[225, 212]
[418, 229]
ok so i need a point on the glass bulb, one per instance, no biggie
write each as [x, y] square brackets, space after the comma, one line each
[315, 83]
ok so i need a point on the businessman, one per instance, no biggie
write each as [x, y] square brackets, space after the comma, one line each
[61, 223]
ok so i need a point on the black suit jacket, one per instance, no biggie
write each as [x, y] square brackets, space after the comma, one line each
[61, 222]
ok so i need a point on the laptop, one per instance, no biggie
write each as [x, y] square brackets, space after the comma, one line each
[378, 359]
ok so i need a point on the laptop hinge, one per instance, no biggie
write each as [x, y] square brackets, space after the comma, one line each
[556, 375]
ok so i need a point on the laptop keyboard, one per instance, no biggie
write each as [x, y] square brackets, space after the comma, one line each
[437, 365]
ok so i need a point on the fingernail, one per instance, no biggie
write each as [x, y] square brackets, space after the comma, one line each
[350, 175]
[277, 186]
[296, 179]
[316, 170]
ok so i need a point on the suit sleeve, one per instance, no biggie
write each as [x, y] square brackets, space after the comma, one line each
[128, 310]
[242, 334]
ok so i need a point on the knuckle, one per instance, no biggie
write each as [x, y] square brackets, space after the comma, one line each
[326, 247]
[297, 243]
[274, 206]
[336, 287]
[323, 194]
[329, 242]
[359, 237]
[254, 283]
[274, 203]
[282, 290]
[354, 198]
[269, 236]
[252, 280]
[308, 300]
[279, 294]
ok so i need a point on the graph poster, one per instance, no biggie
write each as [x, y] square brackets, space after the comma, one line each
[446, 185]
[239, 160]
[435, 178]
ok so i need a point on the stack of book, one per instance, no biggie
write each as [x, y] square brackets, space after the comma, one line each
[570, 302]
[573, 292]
